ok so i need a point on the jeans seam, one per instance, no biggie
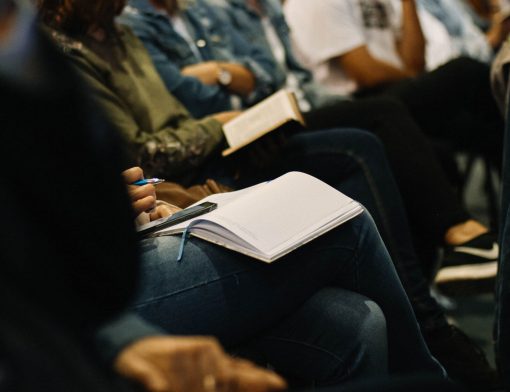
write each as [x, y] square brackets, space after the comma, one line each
[159, 298]
[373, 188]
[307, 345]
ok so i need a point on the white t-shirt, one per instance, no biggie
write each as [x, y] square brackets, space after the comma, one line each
[280, 55]
[440, 47]
[325, 29]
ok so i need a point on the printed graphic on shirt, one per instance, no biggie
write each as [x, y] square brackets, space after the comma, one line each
[375, 14]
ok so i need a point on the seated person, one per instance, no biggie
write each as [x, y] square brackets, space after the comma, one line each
[320, 153]
[362, 48]
[69, 256]
[307, 309]
[128, 51]
[434, 209]
[466, 37]
[161, 36]
[73, 276]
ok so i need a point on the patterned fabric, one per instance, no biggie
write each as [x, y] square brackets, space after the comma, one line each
[214, 41]
[164, 139]
[374, 14]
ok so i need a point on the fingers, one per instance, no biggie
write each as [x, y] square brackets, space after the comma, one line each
[143, 372]
[163, 211]
[244, 376]
[143, 198]
[192, 364]
[236, 375]
[133, 174]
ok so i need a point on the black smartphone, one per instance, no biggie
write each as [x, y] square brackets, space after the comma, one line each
[178, 217]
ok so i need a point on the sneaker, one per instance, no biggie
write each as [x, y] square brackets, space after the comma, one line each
[476, 259]
[464, 361]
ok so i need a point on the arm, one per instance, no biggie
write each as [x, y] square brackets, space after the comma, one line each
[498, 31]
[198, 364]
[143, 198]
[243, 81]
[368, 71]
[411, 45]
[200, 98]
[180, 146]
[252, 57]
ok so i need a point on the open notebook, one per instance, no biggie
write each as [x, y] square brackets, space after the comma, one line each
[271, 219]
[269, 115]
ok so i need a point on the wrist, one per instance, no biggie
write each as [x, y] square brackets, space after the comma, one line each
[223, 76]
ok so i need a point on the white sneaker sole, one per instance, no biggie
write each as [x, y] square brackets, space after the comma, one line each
[467, 272]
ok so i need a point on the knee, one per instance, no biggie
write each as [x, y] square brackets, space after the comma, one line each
[360, 143]
[354, 329]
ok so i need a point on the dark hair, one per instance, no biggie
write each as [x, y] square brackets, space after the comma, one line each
[76, 17]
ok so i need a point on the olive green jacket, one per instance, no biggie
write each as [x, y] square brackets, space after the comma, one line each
[163, 137]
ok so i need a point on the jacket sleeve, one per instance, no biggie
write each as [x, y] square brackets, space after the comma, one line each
[199, 98]
[254, 57]
[126, 329]
[182, 145]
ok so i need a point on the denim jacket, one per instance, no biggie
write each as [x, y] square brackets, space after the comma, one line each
[214, 41]
[466, 36]
[248, 23]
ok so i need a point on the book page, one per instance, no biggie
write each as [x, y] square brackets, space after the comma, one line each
[271, 219]
[290, 207]
[264, 117]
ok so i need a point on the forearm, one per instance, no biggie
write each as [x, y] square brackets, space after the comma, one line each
[411, 45]
[369, 71]
[383, 73]
[171, 152]
[113, 337]
[243, 80]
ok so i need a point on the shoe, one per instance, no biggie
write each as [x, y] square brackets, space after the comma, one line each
[463, 360]
[476, 259]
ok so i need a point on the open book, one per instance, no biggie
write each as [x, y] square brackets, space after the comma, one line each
[266, 116]
[271, 219]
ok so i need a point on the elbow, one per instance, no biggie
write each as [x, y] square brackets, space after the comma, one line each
[368, 80]
[248, 87]
[417, 66]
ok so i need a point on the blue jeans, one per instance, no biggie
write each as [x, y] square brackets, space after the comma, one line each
[315, 315]
[354, 162]
[502, 322]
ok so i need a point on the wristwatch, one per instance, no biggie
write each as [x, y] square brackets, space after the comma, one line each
[224, 77]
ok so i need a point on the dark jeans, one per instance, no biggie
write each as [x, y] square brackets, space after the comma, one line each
[431, 204]
[502, 325]
[354, 162]
[454, 103]
[300, 314]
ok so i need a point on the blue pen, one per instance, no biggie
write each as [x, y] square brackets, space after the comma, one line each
[146, 181]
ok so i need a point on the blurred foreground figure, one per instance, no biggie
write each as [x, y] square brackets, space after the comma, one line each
[60, 277]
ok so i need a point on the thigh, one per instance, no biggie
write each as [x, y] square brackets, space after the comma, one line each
[334, 336]
[215, 291]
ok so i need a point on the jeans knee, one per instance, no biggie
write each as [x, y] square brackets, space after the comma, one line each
[360, 345]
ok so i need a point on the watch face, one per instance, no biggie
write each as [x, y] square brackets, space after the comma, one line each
[224, 77]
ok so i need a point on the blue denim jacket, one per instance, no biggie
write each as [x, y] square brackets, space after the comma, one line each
[248, 23]
[466, 36]
[215, 41]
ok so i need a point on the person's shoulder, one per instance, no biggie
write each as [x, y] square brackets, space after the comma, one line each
[65, 43]
[142, 23]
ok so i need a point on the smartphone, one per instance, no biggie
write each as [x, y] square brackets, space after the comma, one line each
[178, 217]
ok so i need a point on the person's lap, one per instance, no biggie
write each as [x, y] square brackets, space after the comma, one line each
[217, 292]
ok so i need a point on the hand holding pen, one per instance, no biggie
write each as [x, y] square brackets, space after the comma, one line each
[141, 191]
[148, 181]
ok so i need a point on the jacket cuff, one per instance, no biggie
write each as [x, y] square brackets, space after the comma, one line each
[113, 337]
